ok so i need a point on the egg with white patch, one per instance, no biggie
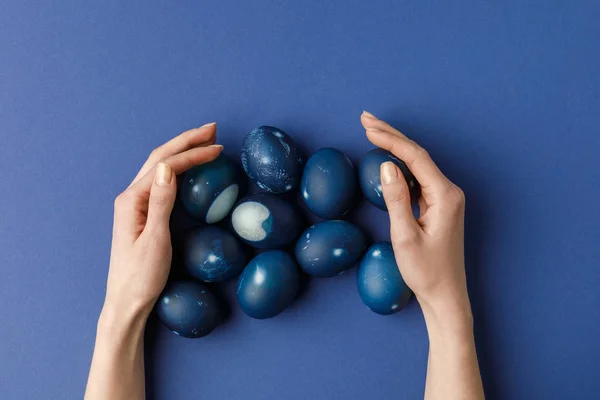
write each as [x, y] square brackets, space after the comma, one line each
[369, 176]
[329, 183]
[209, 191]
[329, 248]
[265, 221]
[189, 309]
[268, 284]
[271, 159]
[212, 254]
[379, 282]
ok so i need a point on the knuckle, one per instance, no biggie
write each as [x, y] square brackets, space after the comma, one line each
[396, 199]
[121, 199]
[421, 153]
[158, 201]
[454, 197]
[407, 239]
[156, 154]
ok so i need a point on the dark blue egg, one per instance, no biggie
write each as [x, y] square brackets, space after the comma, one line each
[208, 191]
[329, 183]
[379, 282]
[212, 254]
[271, 159]
[369, 176]
[188, 309]
[265, 221]
[329, 248]
[268, 284]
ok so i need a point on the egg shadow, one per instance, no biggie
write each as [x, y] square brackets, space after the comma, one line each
[150, 366]
[475, 229]
[303, 288]
[221, 291]
[478, 211]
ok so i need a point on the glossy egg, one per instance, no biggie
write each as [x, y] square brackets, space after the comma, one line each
[212, 254]
[209, 191]
[369, 176]
[271, 159]
[329, 248]
[188, 309]
[265, 221]
[268, 284]
[379, 282]
[329, 183]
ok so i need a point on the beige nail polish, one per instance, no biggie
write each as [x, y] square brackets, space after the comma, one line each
[163, 174]
[369, 115]
[389, 172]
[209, 124]
[217, 146]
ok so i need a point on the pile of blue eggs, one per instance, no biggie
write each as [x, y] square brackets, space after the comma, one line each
[262, 239]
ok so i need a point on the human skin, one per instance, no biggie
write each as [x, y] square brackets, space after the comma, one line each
[430, 251]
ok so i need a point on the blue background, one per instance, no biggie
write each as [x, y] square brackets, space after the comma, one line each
[504, 94]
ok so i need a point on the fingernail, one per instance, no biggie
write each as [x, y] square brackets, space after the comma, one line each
[389, 172]
[209, 124]
[163, 174]
[217, 146]
[369, 115]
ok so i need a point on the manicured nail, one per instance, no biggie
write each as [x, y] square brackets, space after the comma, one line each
[217, 146]
[389, 172]
[369, 115]
[163, 174]
[209, 124]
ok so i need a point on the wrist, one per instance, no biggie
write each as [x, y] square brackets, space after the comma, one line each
[448, 315]
[120, 320]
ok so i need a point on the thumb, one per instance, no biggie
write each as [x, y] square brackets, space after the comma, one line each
[162, 198]
[396, 194]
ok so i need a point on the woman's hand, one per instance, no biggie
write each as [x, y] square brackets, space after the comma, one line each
[141, 247]
[429, 250]
[430, 254]
[139, 264]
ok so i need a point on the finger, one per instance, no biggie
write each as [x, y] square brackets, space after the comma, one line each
[397, 199]
[422, 206]
[130, 215]
[416, 158]
[131, 206]
[179, 163]
[162, 198]
[202, 136]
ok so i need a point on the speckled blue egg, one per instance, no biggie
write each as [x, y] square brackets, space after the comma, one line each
[271, 159]
[329, 248]
[189, 309]
[265, 221]
[379, 282]
[369, 176]
[209, 191]
[329, 183]
[212, 254]
[268, 284]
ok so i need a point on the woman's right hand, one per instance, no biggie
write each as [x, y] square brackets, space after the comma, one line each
[429, 250]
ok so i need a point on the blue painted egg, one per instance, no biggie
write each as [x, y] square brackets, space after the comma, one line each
[379, 282]
[369, 176]
[188, 309]
[212, 254]
[329, 183]
[265, 221]
[209, 191]
[329, 248]
[268, 284]
[271, 159]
